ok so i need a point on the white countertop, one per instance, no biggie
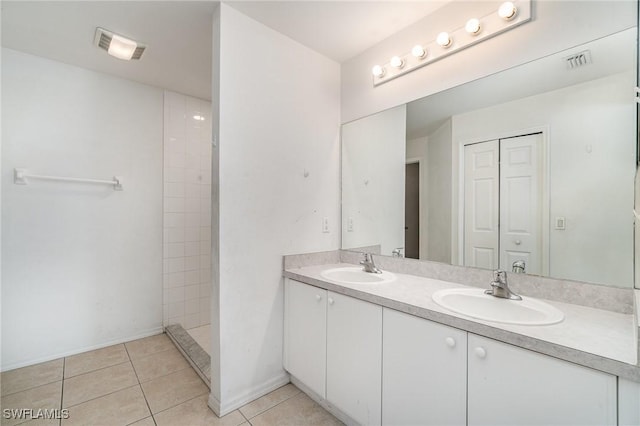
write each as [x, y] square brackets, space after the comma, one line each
[596, 338]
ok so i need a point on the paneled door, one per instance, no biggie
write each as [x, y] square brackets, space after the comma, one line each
[481, 204]
[520, 202]
[503, 203]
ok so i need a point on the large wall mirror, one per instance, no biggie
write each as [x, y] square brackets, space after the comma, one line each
[531, 167]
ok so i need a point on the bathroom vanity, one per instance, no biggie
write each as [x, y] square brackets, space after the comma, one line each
[511, 171]
[386, 353]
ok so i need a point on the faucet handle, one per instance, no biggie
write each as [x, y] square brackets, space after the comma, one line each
[518, 267]
[499, 276]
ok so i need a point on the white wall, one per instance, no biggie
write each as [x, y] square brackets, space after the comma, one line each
[279, 117]
[215, 353]
[439, 201]
[81, 263]
[373, 179]
[187, 211]
[591, 158]
[556, 25]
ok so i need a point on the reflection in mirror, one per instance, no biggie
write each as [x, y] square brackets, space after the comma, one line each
[528, 169]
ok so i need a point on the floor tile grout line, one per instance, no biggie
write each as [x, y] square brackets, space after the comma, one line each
[109, 393]
[164, 375]
[173, 347]
[183, 402]
[150, 354]
[26, 420]
[146, 401]
[97, 369]
[139, 420]
[246, 419]
[102, 396]
[2, 394]
[270, 408]
[101, 368]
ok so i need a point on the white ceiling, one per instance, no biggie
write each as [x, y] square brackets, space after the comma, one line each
[610, 55]
[339, 30]
[178, 33]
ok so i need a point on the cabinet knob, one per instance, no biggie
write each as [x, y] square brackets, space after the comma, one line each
[330, 301]
[318, 297]
[450, 341]
[481, 352]
[518, 242]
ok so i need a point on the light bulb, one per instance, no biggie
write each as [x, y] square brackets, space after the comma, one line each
[443, 39]
[377, 71]
[418, 51]
[396, 62]
[122, 48]
[473, 26]
[507, 10]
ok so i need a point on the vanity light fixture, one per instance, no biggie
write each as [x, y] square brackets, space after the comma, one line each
[472, 26]
[118, 46]
[418, 51]
[396, 62]
[473, 30]
[444, 39]
[507, 11]
[377, 71]
[198, 117]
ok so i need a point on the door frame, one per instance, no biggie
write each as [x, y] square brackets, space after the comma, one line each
[457, 248]
[421, 210]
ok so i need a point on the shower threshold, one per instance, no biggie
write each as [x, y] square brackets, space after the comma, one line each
[192, 351]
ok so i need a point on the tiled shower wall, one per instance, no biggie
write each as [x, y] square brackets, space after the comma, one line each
[187, 211]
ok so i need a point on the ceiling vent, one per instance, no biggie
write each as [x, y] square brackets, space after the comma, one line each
[578, 60]
[117, 45]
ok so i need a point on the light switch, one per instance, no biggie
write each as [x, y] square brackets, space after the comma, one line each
[325, 224]
[561, 223]
[350, 224]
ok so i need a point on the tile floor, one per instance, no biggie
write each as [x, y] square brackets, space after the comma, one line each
[146, 382]
[202, 335]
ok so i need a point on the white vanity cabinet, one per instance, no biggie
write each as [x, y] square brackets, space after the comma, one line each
[380, 366]
[354, 358]
[512, 386]
[305, 334]
[424, 372]
[335, 340]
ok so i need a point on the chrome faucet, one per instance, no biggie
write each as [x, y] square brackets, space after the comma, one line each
[499, 287]
[397, 252]
[518, 267]
[369, 264]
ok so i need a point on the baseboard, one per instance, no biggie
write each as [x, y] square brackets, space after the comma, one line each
[151, 332]
[214, 404]
[252, 394]
[336, 412]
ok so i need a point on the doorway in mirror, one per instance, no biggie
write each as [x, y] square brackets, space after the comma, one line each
[412, 210]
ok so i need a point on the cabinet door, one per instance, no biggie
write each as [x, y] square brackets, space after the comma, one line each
[354, 358]
[513, 386]
[306, 334]
[424, 373]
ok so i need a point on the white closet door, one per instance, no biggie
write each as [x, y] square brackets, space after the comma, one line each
[521, 202]
[481, 199]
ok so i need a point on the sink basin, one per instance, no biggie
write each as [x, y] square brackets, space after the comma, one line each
[475, 303]
[355, 275]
